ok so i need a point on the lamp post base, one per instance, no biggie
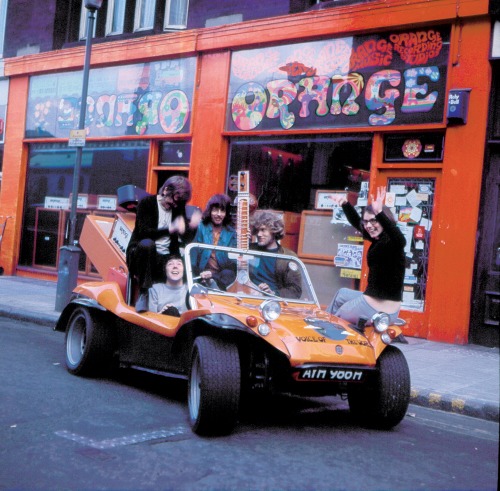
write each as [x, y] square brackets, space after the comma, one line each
[67, 275]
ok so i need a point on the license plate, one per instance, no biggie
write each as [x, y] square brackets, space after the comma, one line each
[332, 374]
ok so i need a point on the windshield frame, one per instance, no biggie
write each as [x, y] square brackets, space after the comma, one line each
[305, 275]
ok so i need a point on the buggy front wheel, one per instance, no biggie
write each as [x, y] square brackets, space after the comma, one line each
[214, 386]
[384, 403]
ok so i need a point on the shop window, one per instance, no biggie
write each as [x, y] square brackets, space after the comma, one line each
[115, 17]
[287, 173]
[174, 159]
[413, 205]
[144, 15]
[105, 167]
[175, 154]
[176, 13]
[294, 177]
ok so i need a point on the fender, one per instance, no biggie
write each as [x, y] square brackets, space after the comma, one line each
[212, 324]
[68, 310]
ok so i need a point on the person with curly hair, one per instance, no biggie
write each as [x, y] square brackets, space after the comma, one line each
[273, 275]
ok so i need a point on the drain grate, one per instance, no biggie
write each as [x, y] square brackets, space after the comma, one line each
[124, 440]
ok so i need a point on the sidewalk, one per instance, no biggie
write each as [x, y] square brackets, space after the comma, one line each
[460, 379]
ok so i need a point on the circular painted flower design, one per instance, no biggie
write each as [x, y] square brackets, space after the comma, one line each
[412, 148]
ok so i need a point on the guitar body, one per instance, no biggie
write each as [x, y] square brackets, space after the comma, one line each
[242, 283]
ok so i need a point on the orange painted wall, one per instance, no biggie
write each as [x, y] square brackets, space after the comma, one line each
[457, 206]
[209, 148]
[14, 172]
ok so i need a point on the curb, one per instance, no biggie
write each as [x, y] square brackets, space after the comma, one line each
[475, 408]
[35, 317]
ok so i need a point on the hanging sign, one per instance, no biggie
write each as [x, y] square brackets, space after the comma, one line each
[76, 138]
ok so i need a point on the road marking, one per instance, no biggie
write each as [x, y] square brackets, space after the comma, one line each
[124, 440]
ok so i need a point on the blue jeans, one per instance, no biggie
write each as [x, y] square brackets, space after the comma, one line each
[351, 305]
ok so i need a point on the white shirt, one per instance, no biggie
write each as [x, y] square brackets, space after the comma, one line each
[164, 221]
[161, 294]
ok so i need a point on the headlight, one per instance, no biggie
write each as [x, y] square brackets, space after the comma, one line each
[264, 329]
[388, 336]
[381, 321]
[270, 310]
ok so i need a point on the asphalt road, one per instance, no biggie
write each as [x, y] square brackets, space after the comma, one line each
[61, 432]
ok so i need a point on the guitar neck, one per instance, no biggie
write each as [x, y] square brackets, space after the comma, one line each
[243, 234]
[243, 216]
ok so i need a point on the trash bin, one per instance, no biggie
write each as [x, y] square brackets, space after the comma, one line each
[67, 275]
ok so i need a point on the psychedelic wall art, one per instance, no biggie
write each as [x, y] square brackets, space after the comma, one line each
[395, 78]
[143, 99]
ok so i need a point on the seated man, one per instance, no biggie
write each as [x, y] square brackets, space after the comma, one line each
[169, 297]
[272, 275]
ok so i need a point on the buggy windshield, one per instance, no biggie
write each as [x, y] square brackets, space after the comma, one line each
[248, 273]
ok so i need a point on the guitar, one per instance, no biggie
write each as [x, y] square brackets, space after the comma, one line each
[242, 283]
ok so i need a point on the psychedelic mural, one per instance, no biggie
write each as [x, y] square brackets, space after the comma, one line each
[376, 80]
[143, 99]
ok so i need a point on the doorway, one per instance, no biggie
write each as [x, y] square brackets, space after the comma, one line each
[485, 308]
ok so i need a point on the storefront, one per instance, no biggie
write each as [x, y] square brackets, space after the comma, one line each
[313, 108]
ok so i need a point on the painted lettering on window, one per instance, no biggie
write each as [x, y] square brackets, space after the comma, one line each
[142, 99]
[376, 80]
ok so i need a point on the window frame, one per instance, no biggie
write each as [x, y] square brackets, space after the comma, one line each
[166, 18]
[113, 8]
[137, 16]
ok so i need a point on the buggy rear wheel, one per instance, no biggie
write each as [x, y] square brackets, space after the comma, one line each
[384, 403]
[214, 386]
[89, 343]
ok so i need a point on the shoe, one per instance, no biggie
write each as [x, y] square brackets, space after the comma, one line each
[142, 303]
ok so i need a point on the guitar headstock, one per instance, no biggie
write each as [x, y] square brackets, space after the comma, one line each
[243, 182]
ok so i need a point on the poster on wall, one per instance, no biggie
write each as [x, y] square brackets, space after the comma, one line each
[153, 98]
[380, 79]
[412, 201]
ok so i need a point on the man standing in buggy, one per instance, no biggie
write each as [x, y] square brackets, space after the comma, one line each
[160, 226]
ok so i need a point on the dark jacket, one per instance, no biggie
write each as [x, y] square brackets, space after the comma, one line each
[146, 225]
[386, 257]
[287, 279]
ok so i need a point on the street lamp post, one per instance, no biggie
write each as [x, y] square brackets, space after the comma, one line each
[69, 255]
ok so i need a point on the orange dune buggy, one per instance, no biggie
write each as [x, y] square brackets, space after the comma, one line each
[235, 344]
